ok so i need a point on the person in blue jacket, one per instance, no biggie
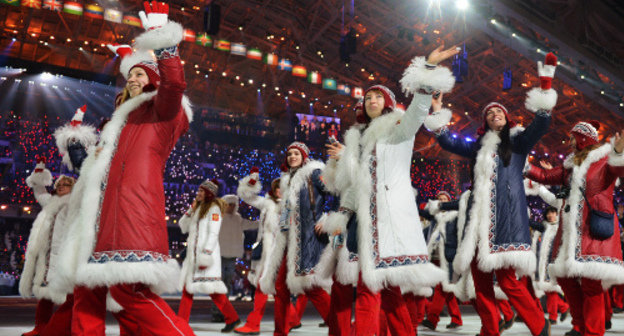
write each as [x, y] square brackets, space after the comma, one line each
[496, 239]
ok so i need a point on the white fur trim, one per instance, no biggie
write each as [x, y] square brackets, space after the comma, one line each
[615, 159]
[267, 281]
[128, 62]
[84, 134]
[566, 265]
[523, 262]
[39, 179]
[335, 221]
[540, 100]
[166, 36]
[499, 294]
[329, 176]
[436, 120]
[433, 206]
[112, 305]
[543, 284]
[417, 76]
[204, 260]
[247, 191]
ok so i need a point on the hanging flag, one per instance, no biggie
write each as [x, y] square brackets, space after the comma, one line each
[189, 35]
[254, 53]
[71, 7]
[94, 11]
[238, 49]
[314, 77]
[284, 64]
[32, 3]
[132, 20]
[344, 89]
[329, 84]
[203, 40]
[10, 2]
[299, 71]
[53, 5]
[111, 15]
[270, 59]
[223, 45]
[357, 92]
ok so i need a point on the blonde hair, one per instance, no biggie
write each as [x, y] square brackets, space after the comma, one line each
[63, 178]
[122, 97]
[205, 206]
[580, 156]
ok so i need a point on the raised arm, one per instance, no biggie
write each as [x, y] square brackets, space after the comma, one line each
[38, 181]
[457, 145]
[249, 190]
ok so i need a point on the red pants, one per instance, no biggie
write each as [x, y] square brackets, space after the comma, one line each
[367, 307]
[319, 297]
[505, 309]
[147, 309]
[416, 305]
[555, 305]
[220, 300]
[299, 309]
[608, 307]
[617, 296]
[586, 300]
[518, 294]
[43, 313]
[260, 299]
[437, 304]
[395, 312]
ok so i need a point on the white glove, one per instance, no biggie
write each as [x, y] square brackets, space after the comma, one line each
[157, 15]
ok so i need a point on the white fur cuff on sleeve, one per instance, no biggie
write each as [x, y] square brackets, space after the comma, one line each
[204, 260]
[540, 100]
[336, 221]
[417, 76]
[40, 179]
[166, 36]
[436, 120]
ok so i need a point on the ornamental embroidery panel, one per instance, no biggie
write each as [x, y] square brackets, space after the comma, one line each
[127, 256]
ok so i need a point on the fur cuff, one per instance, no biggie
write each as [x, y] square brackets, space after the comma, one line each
[540, 100]
[436, 120]
[615, 159]
[329, 176]
[41, 179]
[433, 206]
[84, 134]
[246, 190]
[204, 260]
[336, 221]
[417, 77]
[130, 61]
[166, 36]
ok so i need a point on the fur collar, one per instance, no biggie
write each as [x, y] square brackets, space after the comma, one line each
[593, 156]
[290, 185]
[379, 128]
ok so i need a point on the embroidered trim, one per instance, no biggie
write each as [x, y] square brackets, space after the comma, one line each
[206, 279]
[166, 53]
[127, 256]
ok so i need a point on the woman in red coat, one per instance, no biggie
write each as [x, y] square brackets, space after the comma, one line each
[586, 262]
[120, 240]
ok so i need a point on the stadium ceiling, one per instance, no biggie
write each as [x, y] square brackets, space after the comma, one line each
[498, 35]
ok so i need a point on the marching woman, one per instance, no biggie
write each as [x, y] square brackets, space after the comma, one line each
[248, 190]
[375, 162]
[296, 253]
[118, 242]
[497, 238]
[44, 243]
[586, 250]
[201, 270]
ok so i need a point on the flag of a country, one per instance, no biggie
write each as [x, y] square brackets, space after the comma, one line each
[357, 92]
[223, 45]
[112, 15]
[344, 89]
[203, 40]
[189, 35]
[132, 20]
[238, 49]
[32, 3]
[329, 84]
[10, 2]
[71, 7]
[254, 53]
[270, 59]
[284, 64]
[94, 11]
[299, 71]
[314, 77]
[53, 5]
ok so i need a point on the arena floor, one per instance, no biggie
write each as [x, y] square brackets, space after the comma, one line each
[17, 315]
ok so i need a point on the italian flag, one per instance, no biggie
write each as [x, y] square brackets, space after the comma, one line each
[72, 8]
[270, 59]
[255, 54]
[314, 77]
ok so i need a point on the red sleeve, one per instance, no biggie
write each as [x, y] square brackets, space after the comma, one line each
[555, 176]
[168, 101]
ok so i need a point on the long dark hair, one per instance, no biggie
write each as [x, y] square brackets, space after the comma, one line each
[504, 148]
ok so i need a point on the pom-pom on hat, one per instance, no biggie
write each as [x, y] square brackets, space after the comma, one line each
[140, 58]
[585, 133]
[484, 128]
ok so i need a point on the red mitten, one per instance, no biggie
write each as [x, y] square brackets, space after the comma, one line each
[546, 71]
[254, 175]
[157, 15]
[122, 50]
[40, 166]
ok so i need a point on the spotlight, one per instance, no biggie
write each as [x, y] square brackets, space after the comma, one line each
[493, 21]
[46, 76]
[250, 81]
[513, 34]
[462, 4]
[26, 208]
[3, 207]
[14, 39]
[223, 74]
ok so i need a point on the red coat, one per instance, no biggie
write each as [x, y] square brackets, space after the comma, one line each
[577, 253]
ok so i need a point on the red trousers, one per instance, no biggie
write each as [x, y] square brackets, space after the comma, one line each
[260, 299]
[518, 294]
[416, 305]
[586, 300]
[555, 305]
[608, 306]
[299, 309]
[437, 304]
[43, 313]
[320, 299]
[144, 307]
[395, 312]
[617, 296]
[505, 309]
[367, 307]
[220, 300]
